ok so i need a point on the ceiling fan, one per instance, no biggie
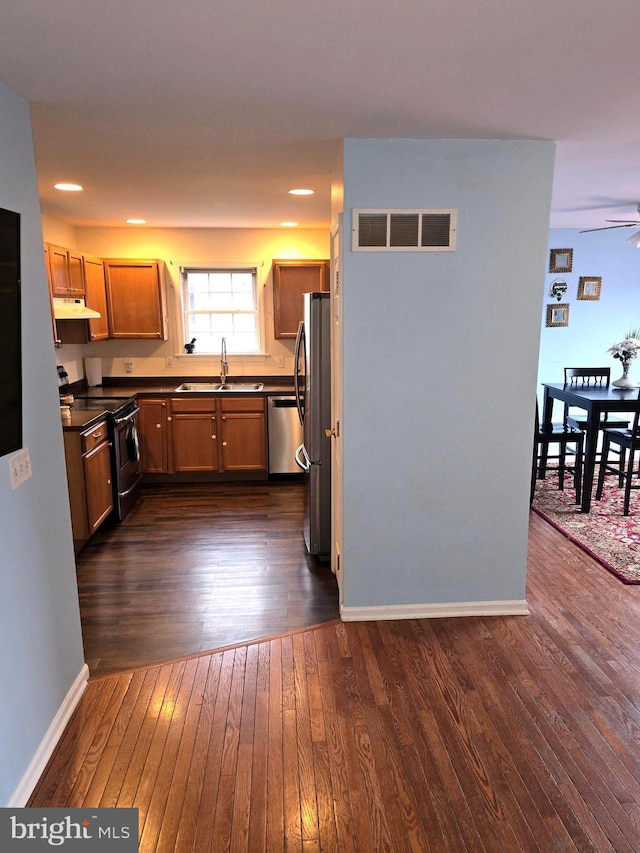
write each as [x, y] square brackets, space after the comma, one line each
[624, 223]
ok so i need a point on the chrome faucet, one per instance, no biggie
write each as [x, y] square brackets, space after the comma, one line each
[224, 364]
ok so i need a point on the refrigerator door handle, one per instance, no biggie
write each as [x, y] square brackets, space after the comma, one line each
[300, 350]
[302, 458]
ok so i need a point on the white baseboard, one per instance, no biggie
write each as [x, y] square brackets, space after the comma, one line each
[434, 611]
[49, 741]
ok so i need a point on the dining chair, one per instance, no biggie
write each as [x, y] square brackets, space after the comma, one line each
[589, 377]
[569, 440]
[621, 441]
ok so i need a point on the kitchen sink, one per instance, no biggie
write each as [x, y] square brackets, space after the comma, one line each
[199, 386]
[216, 386]
[241, 386]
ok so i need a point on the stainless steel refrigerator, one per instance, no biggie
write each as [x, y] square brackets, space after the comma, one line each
[313, 398]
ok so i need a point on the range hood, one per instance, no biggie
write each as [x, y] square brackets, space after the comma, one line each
[72, 309]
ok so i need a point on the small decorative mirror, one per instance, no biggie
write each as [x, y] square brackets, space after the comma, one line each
[561, 260]
[558, 315]
[589, 287]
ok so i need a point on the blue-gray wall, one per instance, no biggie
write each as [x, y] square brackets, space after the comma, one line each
[593, 325]
[435, 344]
[40, 640]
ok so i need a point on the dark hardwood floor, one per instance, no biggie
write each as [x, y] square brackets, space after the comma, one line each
[503, 734]
[198, 567]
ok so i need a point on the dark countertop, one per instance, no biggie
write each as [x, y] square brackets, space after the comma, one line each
[125, 389]
[81, 419]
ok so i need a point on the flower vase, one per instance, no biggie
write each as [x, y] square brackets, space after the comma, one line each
[625, 381]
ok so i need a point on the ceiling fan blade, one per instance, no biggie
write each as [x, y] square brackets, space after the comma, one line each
[609, 227]
[627, 221]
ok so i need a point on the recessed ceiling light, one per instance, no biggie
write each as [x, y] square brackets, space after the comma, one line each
[70, 188]
[136, 221]
[301, 192]
[288, 224]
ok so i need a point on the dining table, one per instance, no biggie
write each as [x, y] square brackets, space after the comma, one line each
[596, 402]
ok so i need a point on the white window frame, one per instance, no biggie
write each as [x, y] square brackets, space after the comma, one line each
[221, 266]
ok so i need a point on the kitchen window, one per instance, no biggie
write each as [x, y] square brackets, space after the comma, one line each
[221, 303]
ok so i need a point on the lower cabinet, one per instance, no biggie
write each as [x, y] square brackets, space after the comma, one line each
[203, 435]
[222, 434]
[153, 433]
[88, 458]
[194, 429]
[243, 435]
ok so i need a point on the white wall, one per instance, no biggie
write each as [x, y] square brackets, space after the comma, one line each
[435, 486]
[40, 640]
[176, 246]
[593, 325]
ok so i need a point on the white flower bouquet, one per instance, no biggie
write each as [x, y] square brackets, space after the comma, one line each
[627, 349]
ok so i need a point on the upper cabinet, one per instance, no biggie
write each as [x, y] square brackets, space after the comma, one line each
[291, 279]
[135, 299]
[76, 274]
[96, 297]
[65, 275]
[47, 265]
[128, 295]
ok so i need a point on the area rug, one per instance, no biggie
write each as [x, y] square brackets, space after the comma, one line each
[604, 532]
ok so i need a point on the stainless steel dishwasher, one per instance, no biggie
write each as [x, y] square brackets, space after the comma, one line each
[285, 434]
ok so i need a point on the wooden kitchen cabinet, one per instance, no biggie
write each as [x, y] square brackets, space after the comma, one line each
[76, 274]
[54, 329]
[97, 474]
[243, 434]
[194, 434]
[64, 272]
[88, 459]
[154, 419]
[95, 297]
[135, 299]
[204, 434]
[221, 434]
[87, 279]
[291, 279]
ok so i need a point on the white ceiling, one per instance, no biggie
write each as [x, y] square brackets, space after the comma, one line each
[199, 113]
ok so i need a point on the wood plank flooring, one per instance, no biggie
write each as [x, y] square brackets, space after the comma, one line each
[474, 734]
[198, 567]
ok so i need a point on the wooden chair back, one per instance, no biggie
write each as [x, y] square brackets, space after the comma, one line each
[587, 377]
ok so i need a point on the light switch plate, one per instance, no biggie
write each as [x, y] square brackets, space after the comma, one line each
[20, 468]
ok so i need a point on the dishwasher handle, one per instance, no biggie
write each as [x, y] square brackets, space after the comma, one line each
[283, 402]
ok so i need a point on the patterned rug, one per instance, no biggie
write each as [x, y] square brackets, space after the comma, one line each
[603, 532]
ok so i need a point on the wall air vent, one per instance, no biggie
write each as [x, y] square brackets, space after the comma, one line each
[423, 230]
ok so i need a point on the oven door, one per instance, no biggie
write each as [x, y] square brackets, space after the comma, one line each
[126, 460]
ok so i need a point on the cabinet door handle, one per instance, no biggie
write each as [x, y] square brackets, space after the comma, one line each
[169, 419]
[224, 443]
[158, 426]
[214, 437]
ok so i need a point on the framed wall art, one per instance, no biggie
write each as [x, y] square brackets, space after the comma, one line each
[558, 288]
[558, 315]
[589, 287]
[560, 260]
